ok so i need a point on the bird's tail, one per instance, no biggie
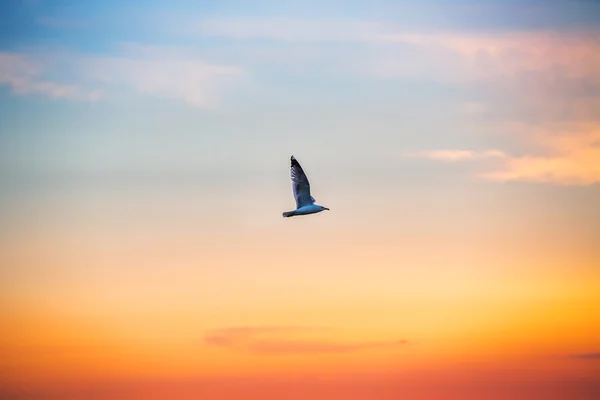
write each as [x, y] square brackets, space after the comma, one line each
[288, 214]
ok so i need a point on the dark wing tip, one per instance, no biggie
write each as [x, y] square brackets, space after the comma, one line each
[294, 161]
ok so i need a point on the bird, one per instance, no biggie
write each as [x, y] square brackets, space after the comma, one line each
[305, 203]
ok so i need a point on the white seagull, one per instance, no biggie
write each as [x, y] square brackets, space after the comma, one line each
[305, 203]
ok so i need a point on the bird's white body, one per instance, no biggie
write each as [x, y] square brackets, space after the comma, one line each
[305, 203]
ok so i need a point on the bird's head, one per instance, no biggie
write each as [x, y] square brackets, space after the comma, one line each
[324, 208]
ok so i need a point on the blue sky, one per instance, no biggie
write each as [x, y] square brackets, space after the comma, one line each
[227, 84]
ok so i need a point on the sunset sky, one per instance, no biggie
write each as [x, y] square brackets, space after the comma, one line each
[144, 166]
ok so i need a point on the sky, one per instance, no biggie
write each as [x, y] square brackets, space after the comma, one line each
[144, 167]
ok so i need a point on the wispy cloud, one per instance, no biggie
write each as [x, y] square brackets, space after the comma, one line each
[532, 70]
[285, 340]
[573, 159]
[586, 356]
[568, 158]
[164, 74]
[24, 76]
[481, 54]
[463, 58]
[457, 155]
[152, 70]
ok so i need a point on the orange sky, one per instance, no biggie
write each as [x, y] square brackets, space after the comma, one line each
[127, 302]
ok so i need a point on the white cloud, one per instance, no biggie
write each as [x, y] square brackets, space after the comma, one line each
[157, 71]
[23, 76]
[192, 81]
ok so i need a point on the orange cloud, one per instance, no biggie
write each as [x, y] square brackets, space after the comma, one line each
[587, 356]
[543, 77]
[575, 55]
[571, 158]
[447, 56]
[284, 340]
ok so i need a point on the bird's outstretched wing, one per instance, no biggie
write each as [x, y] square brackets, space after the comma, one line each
[300, 185]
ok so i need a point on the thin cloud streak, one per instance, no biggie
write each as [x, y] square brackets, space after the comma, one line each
[575, 161]
[156, 71]
[537, 69]
[23, 76]
[467, 58]
[572, 158]
[457, 155]
[500, 53]
[503, 62]
[284, 340]
[586, 356]
[192, 81]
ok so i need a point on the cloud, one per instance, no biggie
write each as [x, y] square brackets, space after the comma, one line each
[586, 356]
[287, 29]
[457, 155]
[550, 75]
[464, 58]
[191, 80]
[547, 85]
[23, 76]
[574, 159]
[570, 157]
[162, 72]
[538, 77]
[544, 72]
[472, 55]
[285, 340]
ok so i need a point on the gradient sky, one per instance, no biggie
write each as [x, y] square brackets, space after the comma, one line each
[144, 167]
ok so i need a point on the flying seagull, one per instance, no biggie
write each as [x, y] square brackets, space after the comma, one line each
[305, 203]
